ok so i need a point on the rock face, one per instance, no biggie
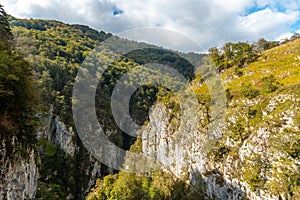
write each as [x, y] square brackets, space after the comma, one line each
[64, 137]
[20, 171]
[20, 175]
[81, 166]
[247, 163]
[56, 131]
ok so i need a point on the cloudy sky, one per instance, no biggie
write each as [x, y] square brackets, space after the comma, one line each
[208, 22]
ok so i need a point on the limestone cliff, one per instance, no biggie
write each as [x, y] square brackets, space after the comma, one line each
[19, 173]
[254, 153]
[260, 165]
[68, 161]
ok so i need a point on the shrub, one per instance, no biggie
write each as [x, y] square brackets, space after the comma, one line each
[270, 83]
[250, 92]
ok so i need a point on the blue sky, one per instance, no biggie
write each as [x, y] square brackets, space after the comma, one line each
[295, 26]
[254, 9]
[208, 22]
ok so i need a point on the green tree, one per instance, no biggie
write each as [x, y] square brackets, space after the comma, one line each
[17, 93]
[6, 36]
[239, 54]
[263, 45]
[127, 186]
[233, 54]
[217, 58]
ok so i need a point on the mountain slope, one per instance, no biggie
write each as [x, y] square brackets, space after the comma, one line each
[282, 62]
[56, 51]
[255, 155]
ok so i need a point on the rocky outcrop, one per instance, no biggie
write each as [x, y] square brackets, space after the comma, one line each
[248, 163]
[81, 166]
[55, 130]
[19, 174]
[64, 137]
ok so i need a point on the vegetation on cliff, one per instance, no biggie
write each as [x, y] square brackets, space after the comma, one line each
[262, 118]
[261, 80]
[17, 96]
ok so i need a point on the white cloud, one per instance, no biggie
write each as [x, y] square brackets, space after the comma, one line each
[209, 22]
[267, 22]
[284, 36]
[88, 12]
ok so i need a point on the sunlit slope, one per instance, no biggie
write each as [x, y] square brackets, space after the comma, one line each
[283, 62]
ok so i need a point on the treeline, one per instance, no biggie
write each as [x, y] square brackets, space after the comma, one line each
[156, 185]
[241, 54]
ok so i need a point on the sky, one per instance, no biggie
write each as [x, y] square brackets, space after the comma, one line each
[207, 22]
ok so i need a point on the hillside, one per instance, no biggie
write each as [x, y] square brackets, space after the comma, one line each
[282, 62]
[254, 154]
[55, 52]
[263, 121]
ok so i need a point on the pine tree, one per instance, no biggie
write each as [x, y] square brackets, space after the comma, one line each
[6, 36]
